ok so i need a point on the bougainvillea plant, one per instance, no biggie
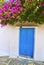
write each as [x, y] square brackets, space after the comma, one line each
[22, 11]
[10, 11]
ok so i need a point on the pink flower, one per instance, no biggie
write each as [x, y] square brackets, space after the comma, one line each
[0, 16]
[42, 4]
[11, 10]
[20, 8]
[1, 10]
[15, 10]
[7, 15]
[13, 16]
[8, 19]
[42, 12]
[18, 12]
[11, 0]
[3, 24]
[17, 3]
[5, 7]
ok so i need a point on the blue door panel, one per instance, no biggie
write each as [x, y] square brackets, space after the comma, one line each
[26, 43]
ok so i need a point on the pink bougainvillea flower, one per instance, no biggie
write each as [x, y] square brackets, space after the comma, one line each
[15, 10]
[11, 0]
[14, 7]
[20, 8]
[1, 17]
[11, 10]
[8, 19]
[7, 15]
[0, 13]
[42, 4]
[42, 12]
[3, 24]
[13, 15]
[7, 3]
[17, 3]
[18, 12]
[0, 20]
[6, 6]
[1, 10]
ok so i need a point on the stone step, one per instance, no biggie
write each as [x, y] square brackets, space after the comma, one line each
[5, 60]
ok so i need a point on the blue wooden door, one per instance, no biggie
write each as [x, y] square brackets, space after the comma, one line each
[26, 42]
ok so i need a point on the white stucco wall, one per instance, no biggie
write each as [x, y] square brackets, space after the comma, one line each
[39, 44]
[9, 42]
[9, 39]
[14, 41]
[4, 41]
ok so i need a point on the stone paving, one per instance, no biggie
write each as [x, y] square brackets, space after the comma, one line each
[5, 60]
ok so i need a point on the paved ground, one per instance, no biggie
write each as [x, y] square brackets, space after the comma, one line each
[5, 60]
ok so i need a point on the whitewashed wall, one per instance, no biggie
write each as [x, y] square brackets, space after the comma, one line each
[14, 41]
[9, 42]
[39, 44]
[9, 39]
[4, 41]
